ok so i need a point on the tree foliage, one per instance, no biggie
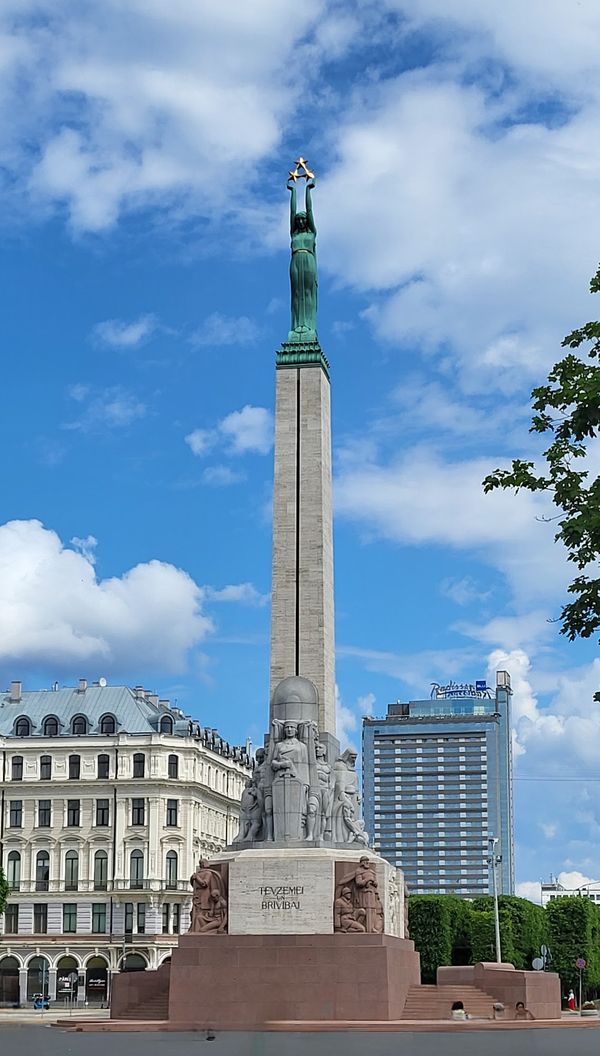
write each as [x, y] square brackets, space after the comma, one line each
[3, 891]
[567, 409]
[574, 931]
[435, 923]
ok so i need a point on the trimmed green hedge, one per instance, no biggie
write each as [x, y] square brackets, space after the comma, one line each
[446, 928]
[574, 931]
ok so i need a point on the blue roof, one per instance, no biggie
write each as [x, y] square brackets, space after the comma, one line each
[134, 710]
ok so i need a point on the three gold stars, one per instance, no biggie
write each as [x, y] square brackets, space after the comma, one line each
[301, 171]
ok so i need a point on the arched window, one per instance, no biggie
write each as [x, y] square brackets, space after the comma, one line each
[173, 766]
[100, 871]
[74, 767]
[45, 767]
[108, 724]
[42, 871]
[51, 726]
[166, 724]
[13, 870]
[79, 726]
[136, 869]
[71, 871]
[139, 764]
[172, 869]
[22, 727]
[103, 765]
[17, 768]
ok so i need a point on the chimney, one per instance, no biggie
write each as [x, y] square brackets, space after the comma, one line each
[15, 692]
[82, 685]
[153, 699]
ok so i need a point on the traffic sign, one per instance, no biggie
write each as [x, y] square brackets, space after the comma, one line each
[537, 963]
[580, 963]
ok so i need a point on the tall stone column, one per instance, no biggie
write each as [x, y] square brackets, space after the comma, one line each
[302, 621]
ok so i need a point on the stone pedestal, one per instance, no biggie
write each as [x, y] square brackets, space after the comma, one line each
[246, 981]
[291, 891]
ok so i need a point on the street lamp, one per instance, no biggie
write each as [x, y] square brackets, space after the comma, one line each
[494, 861]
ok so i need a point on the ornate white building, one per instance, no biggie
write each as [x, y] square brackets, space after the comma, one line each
[109, 796]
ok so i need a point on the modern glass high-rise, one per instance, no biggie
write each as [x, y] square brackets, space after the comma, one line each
[437, 784]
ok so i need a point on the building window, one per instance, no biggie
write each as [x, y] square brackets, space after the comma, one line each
[100, 871]
[11, 919]
[73, 813]
[17, 768]
[69, 918]
[71, 871]
[13, 870]
[136, 869]
[176, 917]
[79, 726]
[42, 871]
[171, 812]
[74, 767]
[40, 918]
[108, 725]
[139, 764]
[137, 811]
[141, 918]
[103, 765]
[99, 918]
[16, 814]
[173, 766]
[45, 767]
[172, 870]
[50, 727]
[129, 918]
[166, 724]
[165, 917]
[22, 727]
[102, 812]
[44, 813]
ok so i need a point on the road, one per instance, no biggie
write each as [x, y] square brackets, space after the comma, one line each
[576, 1041]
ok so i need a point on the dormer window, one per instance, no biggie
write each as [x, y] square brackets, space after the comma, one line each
[79, 726]
[51, 726]
[22, 727]
[108, 725]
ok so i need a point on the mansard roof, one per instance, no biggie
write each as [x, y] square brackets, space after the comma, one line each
[135, 711]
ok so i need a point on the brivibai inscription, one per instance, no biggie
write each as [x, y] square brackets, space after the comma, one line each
[283, 896]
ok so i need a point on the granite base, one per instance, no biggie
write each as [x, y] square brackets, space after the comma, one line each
[230, 981]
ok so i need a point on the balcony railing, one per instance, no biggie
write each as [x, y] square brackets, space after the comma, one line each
[89, 886]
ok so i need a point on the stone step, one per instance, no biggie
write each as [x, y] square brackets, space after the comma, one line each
[435, 1002]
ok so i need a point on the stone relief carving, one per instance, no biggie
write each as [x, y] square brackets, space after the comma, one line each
[395, 905]
[209, 898]
[357, 898]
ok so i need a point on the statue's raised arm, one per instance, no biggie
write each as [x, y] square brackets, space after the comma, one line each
[303, 265]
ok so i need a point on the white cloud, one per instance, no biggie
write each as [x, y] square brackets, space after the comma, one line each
[549, 829]
[56, 613]
[240, 593]
[222, 476]
[86, 546]
[531, 889]
[220, 329]
[201, 441]
[111, 408]
[118, 334]
[462, 591]
[422, 498]
[349, 719]
[248, 430]
[161, 101]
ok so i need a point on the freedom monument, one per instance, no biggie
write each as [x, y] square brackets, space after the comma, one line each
[297, 919]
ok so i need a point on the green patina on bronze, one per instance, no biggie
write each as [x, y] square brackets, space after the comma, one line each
[302, 347]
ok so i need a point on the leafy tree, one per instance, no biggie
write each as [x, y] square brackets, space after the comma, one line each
[434, 922]
[3, 891]
[574, 931]
[567, 408]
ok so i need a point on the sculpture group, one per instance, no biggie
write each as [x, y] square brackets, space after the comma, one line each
[295, 794]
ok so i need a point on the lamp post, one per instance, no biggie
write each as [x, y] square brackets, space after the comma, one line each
[494, 861]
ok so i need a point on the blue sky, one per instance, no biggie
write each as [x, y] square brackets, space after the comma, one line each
[143, 262]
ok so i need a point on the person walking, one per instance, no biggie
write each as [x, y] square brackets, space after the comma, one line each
[571, 1001]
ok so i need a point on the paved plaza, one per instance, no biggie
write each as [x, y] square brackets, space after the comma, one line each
[51, 1041]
